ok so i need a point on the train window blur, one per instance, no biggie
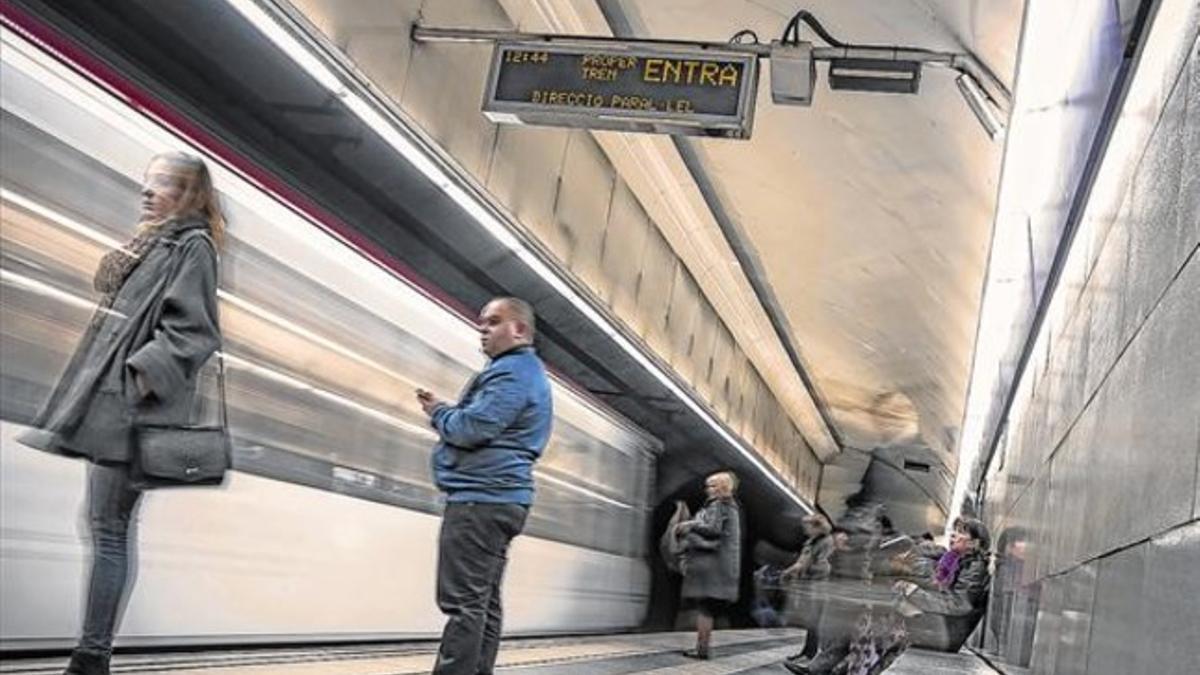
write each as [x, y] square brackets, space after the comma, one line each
[323, 348]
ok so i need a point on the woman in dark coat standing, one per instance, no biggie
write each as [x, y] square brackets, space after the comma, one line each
[713, 557]
[136, 364]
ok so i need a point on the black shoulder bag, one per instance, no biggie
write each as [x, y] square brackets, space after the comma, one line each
[181, 456]
[185, 455]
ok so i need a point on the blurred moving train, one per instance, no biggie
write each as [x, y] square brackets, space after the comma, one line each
[327, 529]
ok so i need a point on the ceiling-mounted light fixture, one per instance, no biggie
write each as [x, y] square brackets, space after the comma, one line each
[879, 69]
[875, 75]
[979, 104]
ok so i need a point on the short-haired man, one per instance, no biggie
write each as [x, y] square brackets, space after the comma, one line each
[483, 463]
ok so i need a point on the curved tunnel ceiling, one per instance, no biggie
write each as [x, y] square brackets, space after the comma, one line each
[870, 214]
[867, 217]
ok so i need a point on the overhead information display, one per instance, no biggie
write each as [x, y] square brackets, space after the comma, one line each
[674, 90]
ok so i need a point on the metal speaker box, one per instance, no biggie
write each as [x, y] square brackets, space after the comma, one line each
[793, 73]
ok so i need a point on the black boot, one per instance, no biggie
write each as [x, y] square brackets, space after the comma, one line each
[87, 663]
[827, 660]
[797, 666]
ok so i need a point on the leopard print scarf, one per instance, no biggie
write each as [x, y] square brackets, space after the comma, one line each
[116, 265]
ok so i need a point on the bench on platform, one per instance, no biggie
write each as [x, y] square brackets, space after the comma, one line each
[835, 605]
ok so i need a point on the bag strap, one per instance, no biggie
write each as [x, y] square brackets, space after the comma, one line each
[221, 390]
[179, 240]
[220, 353]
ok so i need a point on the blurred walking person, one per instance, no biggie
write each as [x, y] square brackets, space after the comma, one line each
[483, 463]
[136, 368]
[812, 566]
[712, 543]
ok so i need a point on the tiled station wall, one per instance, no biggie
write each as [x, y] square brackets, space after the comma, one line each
[1095, 493]
[561, 185]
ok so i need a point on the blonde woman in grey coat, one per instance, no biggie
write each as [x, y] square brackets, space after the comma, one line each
[712, 557]
[136, 364]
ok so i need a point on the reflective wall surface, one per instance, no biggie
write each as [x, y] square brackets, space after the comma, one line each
[1094, 491]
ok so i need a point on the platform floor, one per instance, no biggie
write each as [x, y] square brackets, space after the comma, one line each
[744, 652]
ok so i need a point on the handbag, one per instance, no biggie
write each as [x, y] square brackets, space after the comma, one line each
[670, 547]
[696, 542]
[187, 455]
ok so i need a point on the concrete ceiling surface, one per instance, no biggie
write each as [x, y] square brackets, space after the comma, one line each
[870, 214]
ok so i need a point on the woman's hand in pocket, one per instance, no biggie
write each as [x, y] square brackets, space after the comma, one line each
[143, 389]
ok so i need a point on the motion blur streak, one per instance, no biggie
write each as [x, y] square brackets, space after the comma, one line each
[327, 527]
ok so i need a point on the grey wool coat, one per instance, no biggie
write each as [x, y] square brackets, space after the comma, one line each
[713, 555]
[815, 556]
[162, 324]
[966, 595]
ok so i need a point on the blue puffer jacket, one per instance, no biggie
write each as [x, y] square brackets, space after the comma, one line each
[492, 437]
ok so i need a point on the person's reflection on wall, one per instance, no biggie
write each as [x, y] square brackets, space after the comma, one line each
[1014, 605]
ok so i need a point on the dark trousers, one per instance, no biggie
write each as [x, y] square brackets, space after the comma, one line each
[815, 616]
[472, 552]
[112, 504]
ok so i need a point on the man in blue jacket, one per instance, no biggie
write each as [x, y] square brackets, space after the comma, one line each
[483, 462]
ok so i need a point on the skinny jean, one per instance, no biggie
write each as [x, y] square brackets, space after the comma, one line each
[112, 508]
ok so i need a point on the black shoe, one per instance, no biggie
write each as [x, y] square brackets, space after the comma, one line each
[696, 654]
[824, 662]
[798, 667]
[87, 663]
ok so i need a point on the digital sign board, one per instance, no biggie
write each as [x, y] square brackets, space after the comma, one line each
[634, 87]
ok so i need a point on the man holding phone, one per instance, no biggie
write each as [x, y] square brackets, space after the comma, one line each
[483, 463]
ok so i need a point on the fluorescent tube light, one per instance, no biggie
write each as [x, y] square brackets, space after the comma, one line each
[875, 75]
[979, 104]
